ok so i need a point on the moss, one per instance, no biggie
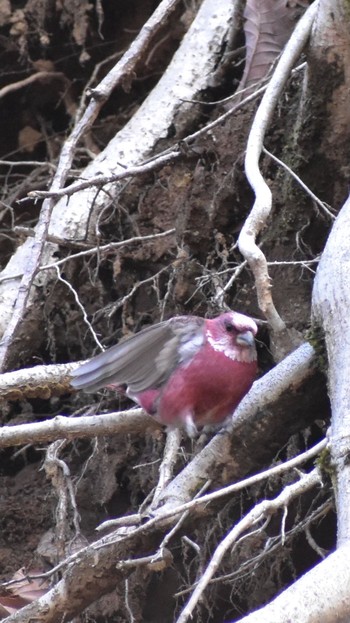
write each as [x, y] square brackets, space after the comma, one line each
[315, 336]
[327, 468]
[324, 463]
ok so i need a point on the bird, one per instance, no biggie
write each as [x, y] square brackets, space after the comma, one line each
[187, 372]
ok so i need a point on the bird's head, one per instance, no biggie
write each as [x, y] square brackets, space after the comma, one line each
[233, 334]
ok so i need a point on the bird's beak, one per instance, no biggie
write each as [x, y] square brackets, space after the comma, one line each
[245, 339]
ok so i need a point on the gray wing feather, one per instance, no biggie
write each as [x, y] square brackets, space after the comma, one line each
[144, 360]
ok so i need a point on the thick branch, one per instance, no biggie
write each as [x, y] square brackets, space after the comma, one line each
[331, 303]
[187, 74]
[62, 427]
[322, 594]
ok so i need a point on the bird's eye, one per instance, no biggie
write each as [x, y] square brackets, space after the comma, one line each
[229, 327]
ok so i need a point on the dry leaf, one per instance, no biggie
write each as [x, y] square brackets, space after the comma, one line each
[23, 592]
[28, 139]
[268, 26]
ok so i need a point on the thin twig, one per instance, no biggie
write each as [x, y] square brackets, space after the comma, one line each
[259, 512]
[271, 546]
[101, 180]
[320, 203]
[104, 248]
[107, 248]
[81, 307]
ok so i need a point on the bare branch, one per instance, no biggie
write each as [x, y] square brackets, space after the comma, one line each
[64, 427]
[38, 382]
[107, 248]
[59, 473]
[39, 75]
[170, 456]
[133, 171]
[261, 511]
[224, 491]
[262, 206]
[80, 306]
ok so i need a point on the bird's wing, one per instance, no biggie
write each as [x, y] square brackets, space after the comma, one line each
[144, 360]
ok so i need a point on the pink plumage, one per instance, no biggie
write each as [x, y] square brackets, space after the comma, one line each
[186, 371]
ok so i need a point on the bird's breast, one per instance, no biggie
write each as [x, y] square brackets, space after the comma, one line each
[207, 388]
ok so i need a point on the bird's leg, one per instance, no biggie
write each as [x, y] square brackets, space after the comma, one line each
[189, 425]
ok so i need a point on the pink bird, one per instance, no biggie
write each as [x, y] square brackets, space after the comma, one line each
[186, 371]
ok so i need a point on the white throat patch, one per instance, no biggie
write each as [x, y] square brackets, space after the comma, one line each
[236, 353]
